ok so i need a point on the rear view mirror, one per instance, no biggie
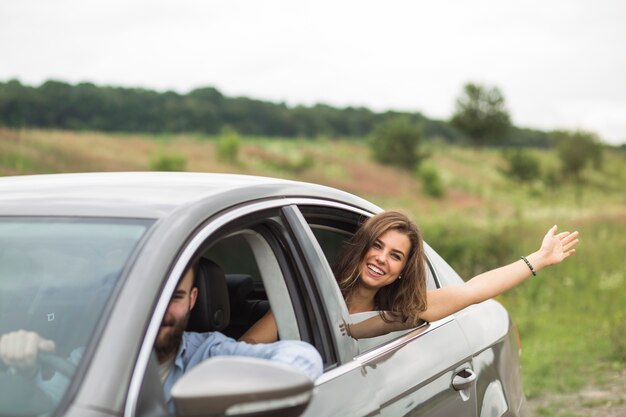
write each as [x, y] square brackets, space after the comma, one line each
[234, 385]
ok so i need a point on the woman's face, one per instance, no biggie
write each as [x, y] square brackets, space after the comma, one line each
[385, 259]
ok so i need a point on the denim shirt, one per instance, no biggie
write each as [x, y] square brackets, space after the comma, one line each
[196, 347]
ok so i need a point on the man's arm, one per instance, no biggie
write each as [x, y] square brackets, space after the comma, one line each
[300, 355]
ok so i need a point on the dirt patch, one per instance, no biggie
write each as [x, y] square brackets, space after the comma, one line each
[607, 400]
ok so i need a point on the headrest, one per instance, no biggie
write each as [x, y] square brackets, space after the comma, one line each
[239, 287]
[212, 309]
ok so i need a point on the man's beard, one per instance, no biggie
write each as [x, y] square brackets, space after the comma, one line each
[170, 343]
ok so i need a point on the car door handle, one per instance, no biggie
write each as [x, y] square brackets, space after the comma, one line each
[463, 379]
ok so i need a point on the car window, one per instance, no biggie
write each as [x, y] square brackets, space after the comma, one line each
[333, 228]
[262, 272]
[246, 263]
[249, 260]
[255, 282]
[331, 240]
[56, 274]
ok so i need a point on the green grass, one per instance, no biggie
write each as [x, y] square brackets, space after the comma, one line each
[567, 314]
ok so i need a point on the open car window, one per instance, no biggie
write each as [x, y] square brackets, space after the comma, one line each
[255, 282]
[263, 271]
[332, 229]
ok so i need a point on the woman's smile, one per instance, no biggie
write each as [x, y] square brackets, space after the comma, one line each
[375, 269]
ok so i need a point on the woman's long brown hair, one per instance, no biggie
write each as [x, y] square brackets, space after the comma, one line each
[405, 298]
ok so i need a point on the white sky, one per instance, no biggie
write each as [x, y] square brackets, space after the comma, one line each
[559, 63]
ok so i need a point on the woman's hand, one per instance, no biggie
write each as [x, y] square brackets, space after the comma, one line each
[345, 329]
[556, 247]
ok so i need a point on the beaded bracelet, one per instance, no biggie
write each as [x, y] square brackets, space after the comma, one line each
[529, 266]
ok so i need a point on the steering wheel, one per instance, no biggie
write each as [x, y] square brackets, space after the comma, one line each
[20, 396]
[56, 363]
[48, 360]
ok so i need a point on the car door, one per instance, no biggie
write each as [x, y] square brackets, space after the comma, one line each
[343, 389]
[495, 346]
[426, 371]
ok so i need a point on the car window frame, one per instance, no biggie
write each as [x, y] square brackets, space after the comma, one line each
[196, 243]
[272, 269]
[334, 306]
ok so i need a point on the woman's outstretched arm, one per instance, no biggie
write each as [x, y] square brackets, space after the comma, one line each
[445, 301]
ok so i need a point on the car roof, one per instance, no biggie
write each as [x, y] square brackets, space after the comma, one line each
[148, 194]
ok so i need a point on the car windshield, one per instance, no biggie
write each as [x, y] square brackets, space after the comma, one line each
[56, 275]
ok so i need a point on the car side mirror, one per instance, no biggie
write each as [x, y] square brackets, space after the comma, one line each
[235, 385]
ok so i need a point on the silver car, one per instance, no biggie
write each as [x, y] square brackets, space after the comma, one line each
[91, 261]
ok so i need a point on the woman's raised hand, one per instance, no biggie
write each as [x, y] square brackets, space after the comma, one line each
[556, 247]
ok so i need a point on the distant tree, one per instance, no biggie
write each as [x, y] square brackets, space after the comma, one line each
[396, 142]
[16, 104]
[480, 114]
[522, 165]
[576, 151]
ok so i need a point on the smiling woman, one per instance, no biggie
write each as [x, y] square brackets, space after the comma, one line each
[383, 269]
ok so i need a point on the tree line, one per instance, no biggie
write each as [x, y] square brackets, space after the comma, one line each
[85, 106]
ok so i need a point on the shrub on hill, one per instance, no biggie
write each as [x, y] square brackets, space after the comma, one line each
[396, 142]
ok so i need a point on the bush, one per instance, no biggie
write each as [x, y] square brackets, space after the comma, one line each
[396, 143]
[168, 162]
[552, 178]
[577, 150]
[522, 166]
[431, 181]
[228, 146]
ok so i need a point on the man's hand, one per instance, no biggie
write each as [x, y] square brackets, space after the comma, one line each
[19, 351]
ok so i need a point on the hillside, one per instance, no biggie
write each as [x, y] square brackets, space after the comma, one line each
[473, 180]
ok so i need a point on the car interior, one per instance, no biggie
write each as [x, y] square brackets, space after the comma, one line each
[235, 283]
[227, 303]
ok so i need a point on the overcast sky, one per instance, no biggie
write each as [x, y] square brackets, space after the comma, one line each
[559, 63]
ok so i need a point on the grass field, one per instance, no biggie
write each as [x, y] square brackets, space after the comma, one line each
[572, 318]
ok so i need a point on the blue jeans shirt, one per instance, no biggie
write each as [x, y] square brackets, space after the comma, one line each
[197, 347]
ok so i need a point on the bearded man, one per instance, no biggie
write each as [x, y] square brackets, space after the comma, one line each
[178, 351]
